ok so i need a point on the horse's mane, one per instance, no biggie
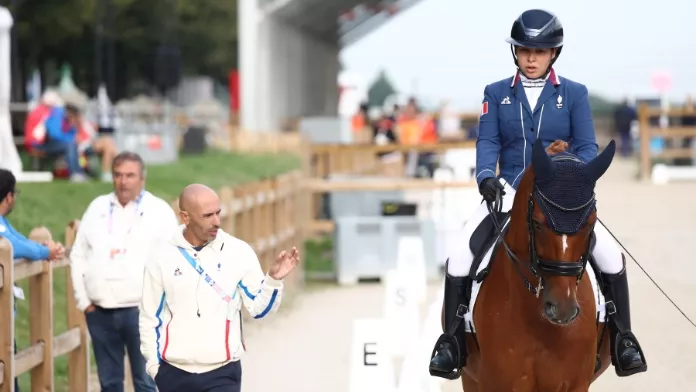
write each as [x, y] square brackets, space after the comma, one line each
[557, 147]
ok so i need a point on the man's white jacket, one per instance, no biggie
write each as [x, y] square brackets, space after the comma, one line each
[100, 276]
[190, 315]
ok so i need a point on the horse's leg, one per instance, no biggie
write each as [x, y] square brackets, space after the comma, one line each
[469, 384]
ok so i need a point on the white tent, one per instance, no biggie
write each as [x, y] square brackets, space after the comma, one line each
[9, 158]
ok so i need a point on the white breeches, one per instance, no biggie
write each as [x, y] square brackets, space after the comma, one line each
[607, 253]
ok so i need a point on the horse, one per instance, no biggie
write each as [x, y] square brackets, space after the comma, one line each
[535, 313]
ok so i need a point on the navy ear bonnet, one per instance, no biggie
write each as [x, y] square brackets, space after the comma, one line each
[564, 186]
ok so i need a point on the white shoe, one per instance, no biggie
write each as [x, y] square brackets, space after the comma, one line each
[78, 177]
[107, 177]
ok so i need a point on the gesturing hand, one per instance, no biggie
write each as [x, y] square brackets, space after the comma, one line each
[284, 264]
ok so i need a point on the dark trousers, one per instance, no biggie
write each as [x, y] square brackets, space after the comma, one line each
[16, 381]
[72, 157]
[224, 379]
[626, 147]
[113, 331]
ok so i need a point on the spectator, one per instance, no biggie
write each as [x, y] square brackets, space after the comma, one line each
[178, 282]
[60, 140]
[90, 143]
[107, 259]
[35, 125]
[22, 247]
[624, 115]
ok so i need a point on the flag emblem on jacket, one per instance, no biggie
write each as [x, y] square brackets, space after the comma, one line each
[484, 109]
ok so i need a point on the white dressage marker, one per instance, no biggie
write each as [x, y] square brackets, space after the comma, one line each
[371, 368]
[401, 313]
[410, 263]
[414, 375]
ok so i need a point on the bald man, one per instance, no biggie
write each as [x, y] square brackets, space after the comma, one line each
[194, 287]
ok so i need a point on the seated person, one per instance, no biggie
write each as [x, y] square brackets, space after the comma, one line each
[60, 140]
[35, 124]
[90, 143]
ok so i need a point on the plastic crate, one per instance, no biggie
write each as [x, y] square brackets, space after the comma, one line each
[367, 247]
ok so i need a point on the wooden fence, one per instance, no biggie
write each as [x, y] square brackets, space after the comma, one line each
[38, 357]
[268, 214]
[672, 134]
[364, 159]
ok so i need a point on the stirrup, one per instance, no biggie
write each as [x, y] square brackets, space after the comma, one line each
[616, 355]
[457, 372]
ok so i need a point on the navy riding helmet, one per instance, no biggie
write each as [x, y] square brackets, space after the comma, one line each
[536, 29]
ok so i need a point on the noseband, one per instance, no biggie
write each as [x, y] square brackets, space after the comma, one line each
[538, 266]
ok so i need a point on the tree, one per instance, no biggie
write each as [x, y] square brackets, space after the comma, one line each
[53, 33]
[600, 105]
[380, 89]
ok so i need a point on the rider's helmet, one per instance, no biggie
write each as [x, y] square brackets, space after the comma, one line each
[536, 29]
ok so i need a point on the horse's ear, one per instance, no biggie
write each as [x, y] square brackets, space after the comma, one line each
[543, 166]
[598, 166]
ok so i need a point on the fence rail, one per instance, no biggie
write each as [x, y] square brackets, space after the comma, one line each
[38, 357]
[649, 131]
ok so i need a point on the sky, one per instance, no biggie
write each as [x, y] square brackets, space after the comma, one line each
[451, 49]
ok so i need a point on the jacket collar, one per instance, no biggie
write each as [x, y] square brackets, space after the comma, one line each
[551, 76]
[215, 244]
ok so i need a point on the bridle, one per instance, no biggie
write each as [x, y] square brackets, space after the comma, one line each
[538, 266]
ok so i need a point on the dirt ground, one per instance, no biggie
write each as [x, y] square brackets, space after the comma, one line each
[307, 347]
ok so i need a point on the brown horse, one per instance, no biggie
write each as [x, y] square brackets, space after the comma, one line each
[535, 314]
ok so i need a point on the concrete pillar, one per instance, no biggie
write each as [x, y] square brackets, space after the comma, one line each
[284, 72]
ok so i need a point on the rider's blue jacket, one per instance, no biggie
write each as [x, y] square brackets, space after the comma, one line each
[509, 126]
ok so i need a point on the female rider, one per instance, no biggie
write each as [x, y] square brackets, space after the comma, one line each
[534, 103]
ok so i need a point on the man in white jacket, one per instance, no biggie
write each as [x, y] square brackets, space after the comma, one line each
[114, 238]
[194, 288]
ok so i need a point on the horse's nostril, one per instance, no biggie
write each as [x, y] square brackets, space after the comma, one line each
[550, 309]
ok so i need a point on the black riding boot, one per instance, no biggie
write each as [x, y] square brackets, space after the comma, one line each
[449, 354]
[626, 354]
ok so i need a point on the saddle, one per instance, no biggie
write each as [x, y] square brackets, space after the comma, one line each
[484, 237]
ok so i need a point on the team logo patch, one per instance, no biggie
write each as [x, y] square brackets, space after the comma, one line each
[484, 109]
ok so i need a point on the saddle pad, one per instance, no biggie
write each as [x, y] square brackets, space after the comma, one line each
[469, 319]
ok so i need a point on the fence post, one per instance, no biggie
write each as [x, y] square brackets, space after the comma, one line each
[6, 313]
[228, 214]
[41, 317]
[645, 132]
[78, 359]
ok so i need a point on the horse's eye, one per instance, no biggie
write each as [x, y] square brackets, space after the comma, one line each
[538, 226]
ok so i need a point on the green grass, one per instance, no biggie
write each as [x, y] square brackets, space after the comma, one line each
[319, 255]
[55, 204]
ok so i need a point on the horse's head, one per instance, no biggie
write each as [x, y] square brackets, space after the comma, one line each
[556, 199]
